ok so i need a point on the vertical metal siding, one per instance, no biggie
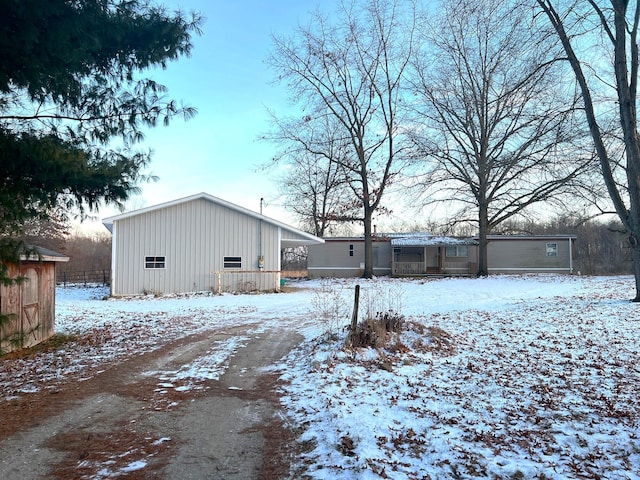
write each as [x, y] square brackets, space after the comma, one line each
[194, 237]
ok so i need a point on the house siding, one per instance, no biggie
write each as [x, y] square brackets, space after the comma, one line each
[464, 265]
[194, 237]
[508, 255]
[332, 258]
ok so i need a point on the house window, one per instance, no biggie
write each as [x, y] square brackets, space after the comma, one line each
[154, 262]
[552, 249]
[457, 251]
[351, 250]
[232, 262]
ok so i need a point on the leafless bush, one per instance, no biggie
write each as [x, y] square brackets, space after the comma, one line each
[330, 304]
[372, 332]
[382, 303]
[382, 299]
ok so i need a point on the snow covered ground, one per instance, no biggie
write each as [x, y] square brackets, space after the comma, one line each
[509, 377]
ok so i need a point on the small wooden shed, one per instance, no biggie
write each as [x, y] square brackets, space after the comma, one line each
[30, 304]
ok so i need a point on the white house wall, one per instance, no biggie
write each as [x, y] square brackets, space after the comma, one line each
[193, 237]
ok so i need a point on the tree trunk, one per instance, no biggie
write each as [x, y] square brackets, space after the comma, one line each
[626, 84]
[633, 223]
[368, 243]
[483, 231]
[635, 255]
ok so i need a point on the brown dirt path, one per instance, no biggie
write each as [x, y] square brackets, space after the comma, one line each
[123, 422]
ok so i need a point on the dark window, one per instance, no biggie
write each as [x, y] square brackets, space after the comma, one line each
[154, 262]
[457, 251]
[232, 262]
[351, 250]
[552, 249]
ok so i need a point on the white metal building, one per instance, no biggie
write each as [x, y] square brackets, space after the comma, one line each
[198, 243]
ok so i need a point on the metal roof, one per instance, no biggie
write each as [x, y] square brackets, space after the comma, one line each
[430, 240]
[307, 238]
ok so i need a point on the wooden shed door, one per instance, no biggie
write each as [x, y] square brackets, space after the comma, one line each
[30, 308]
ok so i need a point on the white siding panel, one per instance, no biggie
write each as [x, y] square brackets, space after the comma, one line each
[194, 237]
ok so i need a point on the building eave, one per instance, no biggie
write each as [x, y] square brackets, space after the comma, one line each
[307, 238]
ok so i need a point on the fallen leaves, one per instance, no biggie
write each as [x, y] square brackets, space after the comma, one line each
[538, 389]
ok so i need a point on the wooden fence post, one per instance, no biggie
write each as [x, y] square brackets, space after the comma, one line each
[354, 316]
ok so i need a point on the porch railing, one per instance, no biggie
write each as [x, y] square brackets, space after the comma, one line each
[409, 268]
[418, 268]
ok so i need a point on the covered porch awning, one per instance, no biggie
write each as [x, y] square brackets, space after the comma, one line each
[423, 254]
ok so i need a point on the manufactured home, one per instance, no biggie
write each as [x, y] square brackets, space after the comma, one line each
[198, 243]
[30, 304]
[344, 257]
[419, 254]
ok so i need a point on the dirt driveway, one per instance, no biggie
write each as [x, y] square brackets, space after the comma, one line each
[127, 422]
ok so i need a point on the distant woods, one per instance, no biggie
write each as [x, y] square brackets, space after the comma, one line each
[88, 253]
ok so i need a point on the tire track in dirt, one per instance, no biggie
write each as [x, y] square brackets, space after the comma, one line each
[120, 423]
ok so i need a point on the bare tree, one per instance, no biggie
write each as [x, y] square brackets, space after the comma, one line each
[48, 231]
[313, 189]
[614, 29]
[314, 185]
[352, 72]
[492, 120]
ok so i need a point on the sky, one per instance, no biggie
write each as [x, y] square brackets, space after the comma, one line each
[228, 81]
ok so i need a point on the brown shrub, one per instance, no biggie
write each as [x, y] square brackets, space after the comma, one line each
[372, 332]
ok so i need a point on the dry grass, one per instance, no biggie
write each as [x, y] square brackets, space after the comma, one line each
[372, 332]
[56, 342]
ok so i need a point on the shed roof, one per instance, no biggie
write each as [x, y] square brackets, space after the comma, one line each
[291, 236]
[44, 254]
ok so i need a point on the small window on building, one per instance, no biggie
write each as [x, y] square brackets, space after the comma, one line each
[457, 251]
[154, 262]
[232, 262]
[552, 249]
[351, 250]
